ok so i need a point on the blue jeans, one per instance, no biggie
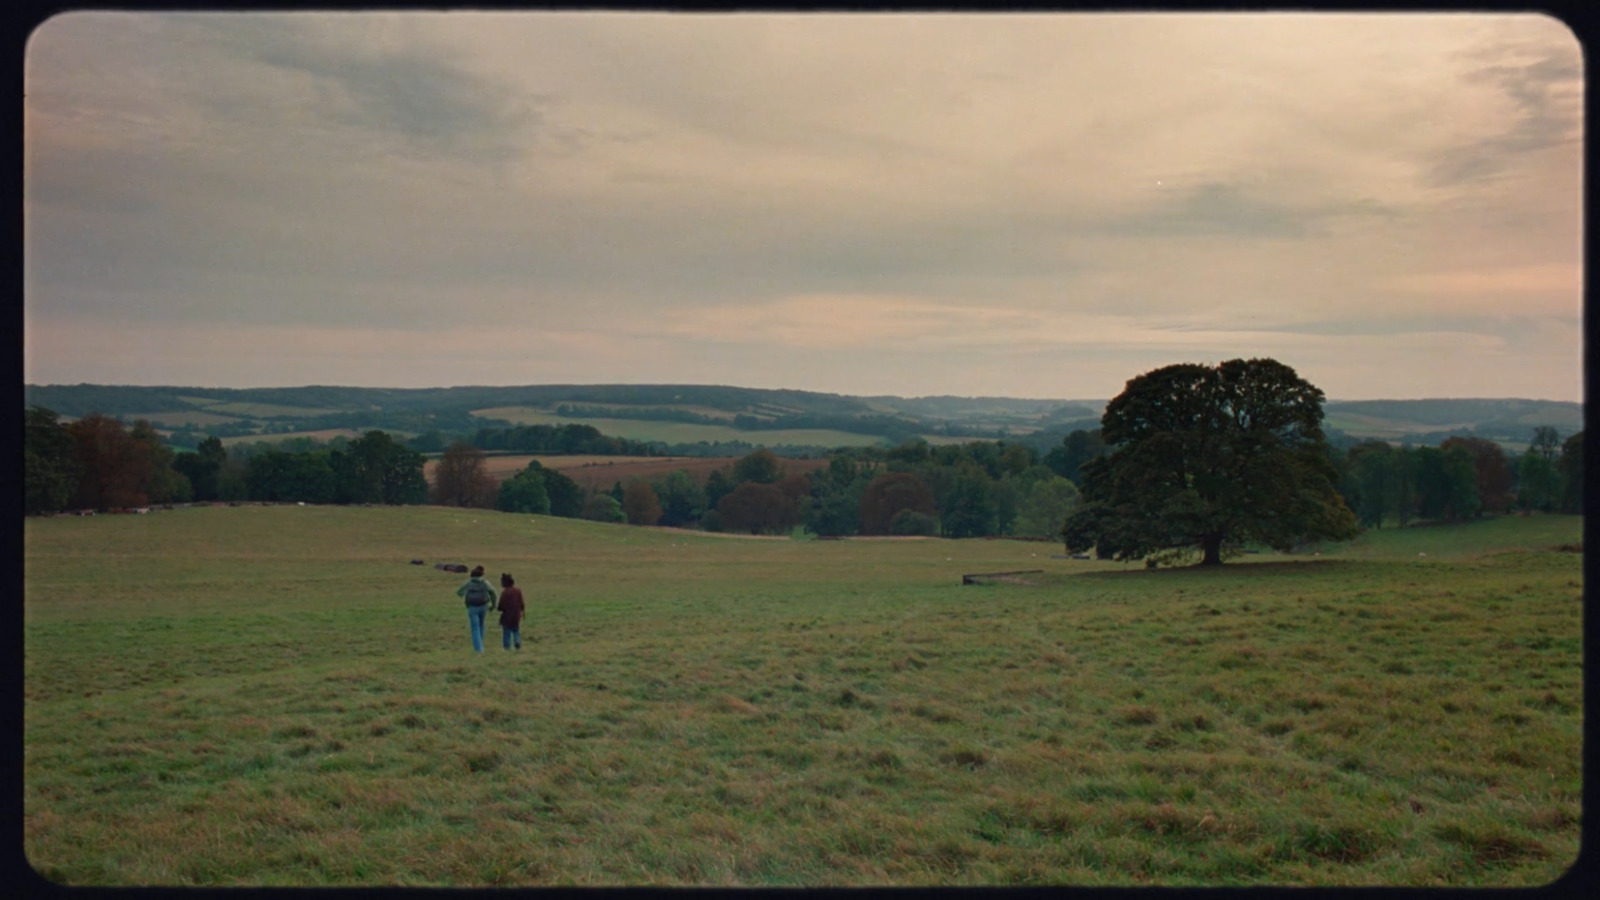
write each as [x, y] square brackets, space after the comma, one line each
[507, 635]
[475, 616]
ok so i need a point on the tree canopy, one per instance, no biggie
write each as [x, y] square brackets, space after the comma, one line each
[1204, 457]
[50, 464]
[462, 479]
[640, 504]
[890, 493]
[760, 466]
[756, 508]
[1570, 466]
[523, 493]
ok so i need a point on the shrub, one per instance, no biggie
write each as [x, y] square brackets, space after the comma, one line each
[911, 522]
[603, 508]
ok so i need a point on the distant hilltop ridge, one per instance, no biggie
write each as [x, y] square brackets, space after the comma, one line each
[684, 413]
[653, 392]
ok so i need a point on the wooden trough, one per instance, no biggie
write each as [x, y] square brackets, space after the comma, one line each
[978, 577]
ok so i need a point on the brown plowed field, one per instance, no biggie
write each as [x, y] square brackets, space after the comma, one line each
[604, 471]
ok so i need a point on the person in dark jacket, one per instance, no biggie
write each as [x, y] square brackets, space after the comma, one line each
[510, 612]
[480, 599]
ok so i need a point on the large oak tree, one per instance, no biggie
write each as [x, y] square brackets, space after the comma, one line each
[1204, 457]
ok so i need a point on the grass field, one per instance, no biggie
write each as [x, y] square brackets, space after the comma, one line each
[274, 696]
[259, 410]
[708, 411]
[1377, 427]
[682, 432]
[321, 435]
[182, 417]
[1366, 428]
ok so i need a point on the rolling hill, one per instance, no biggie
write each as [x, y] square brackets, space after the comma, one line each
[724, 420]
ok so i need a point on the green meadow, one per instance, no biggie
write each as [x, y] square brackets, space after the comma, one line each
[257, 410]
[275, 696]
[683, 432]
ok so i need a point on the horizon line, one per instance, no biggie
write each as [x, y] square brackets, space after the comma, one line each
[670, 384]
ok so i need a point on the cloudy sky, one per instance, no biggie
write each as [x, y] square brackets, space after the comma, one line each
[1023, 205]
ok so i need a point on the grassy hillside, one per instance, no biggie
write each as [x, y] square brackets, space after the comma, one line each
[1509, 422]
[1455, 412]
[323, 434]
[273, 695]
[680, 432]
[685, 414]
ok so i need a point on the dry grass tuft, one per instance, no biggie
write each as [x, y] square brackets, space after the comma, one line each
[1138, 715]
[730, 703]
[965, 756]
[1491, 843]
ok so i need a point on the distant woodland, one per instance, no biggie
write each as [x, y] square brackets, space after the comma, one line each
[734, 420]
[946, 466]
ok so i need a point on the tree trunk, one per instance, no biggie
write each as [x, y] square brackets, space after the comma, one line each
[1212, 544]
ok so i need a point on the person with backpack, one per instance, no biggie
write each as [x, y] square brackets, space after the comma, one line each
[480, 599]
[510, 612]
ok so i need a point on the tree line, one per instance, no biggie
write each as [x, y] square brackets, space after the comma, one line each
[1212, 459]
[1462, 478]
[892, 427]
[968, 490]
[543, 440]
[974, 489]
[98, 463]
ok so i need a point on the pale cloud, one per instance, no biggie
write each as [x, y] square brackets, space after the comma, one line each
[802, 200]
[852, 322]
[1563, 281]
[878, 323]
[201, 353]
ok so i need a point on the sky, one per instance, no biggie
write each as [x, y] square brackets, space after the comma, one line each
[914, 204]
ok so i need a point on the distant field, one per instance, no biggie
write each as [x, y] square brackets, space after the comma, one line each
[576, 460]
[258, 410]
[1376, 428]
[319, 435]
[603, 475]
[681, 432]
[1373, 426]
[500, 467]
[273, 696]
[1369, 428]
[182, 417]
[698, 410]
